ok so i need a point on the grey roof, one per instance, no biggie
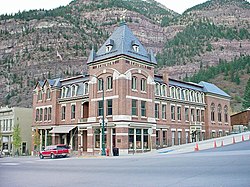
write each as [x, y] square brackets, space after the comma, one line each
[211, 88]
[122, 41]
[187, 85]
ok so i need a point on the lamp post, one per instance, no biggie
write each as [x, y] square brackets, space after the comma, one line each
[102, 121]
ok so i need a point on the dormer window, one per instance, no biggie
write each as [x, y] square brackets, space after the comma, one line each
[109, 45]
[135, 46]
[73, 90]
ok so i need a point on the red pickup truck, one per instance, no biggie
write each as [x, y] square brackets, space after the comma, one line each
[54, 151]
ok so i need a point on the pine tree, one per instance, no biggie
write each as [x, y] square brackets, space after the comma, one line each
[246, 101]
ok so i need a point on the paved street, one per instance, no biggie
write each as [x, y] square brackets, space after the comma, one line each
[226, 166]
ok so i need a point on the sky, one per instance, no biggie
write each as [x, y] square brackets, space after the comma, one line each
[13, 6]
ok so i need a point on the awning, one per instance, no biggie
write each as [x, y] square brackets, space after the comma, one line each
[62, 129]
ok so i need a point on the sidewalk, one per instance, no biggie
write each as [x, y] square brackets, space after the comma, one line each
[206, 144]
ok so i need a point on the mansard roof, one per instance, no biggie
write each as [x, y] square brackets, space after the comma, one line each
[211, 88]
[122, 41]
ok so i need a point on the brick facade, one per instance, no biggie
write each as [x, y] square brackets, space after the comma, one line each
[142, 111]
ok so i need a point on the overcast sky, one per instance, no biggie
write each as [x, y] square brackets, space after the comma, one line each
[13, 6]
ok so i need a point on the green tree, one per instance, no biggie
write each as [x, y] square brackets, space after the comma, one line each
[246, 101]
[17, 140]
[36, 140]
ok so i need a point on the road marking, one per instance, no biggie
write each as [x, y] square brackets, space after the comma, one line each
[10, 164]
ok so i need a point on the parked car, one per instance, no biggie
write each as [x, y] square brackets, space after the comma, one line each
[54, 151]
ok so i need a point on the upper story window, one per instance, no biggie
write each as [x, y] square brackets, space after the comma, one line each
[109, 45]
[100, 108]
[157, 89]
[143, 84]
[49, 113]
[198, 115]
[192, 115]
[45, 114]
[37, 114]
[63, 112]
[143, 108]
[86, 88]
[172, 92]
[74, 90]
[134, 83]
[134, 107]
[164, 111]
[73, 111]
[187, 95]
[202, 115]
[157, 110]
[108, 48]
[64, 92]
[109, 83]
[186, 114]
[163, 90]
[179, 113]
[182, 94]
[226, 114]
[40, 95]
[135, 46]
[212, 111]
[100, 84]
[41, 114]
[109, 107]
[178, 93]
[172, 112]
[219, 113]
[48, 96]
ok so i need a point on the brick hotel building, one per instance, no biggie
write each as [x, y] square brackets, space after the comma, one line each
[142, 111]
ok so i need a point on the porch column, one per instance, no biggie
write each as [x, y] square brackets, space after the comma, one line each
[46, 137]
[41, 139]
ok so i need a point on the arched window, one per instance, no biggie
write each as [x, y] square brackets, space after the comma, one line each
[219, 113]
[109, 83]
[40, 94]
[226, 114]
[86, 88]
[48, 93]
[73, 90]
[157, 89]
[64, 92]
[100, 84]
[163, 90]
[172, 92]
[187, 95]
[143, 85]
[178, 93]
[134, 83]
[212, 111]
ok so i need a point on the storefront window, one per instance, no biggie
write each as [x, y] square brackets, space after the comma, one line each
[97, 138]
[131, 138]
[164, 136]
[145, 139]
[138, 139]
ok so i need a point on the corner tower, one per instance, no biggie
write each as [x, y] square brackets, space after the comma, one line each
[123, 72]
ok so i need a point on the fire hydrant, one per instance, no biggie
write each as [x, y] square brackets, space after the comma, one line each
[107, 152]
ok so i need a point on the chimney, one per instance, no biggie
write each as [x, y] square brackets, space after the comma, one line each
[165, 76]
